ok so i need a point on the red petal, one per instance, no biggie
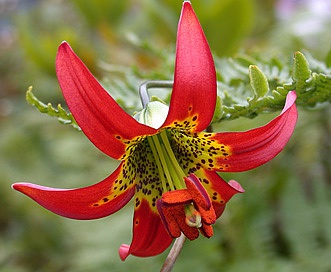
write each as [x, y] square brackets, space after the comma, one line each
[149, 235]
[102, 120]
[255, 147]
[194, 92]
[96, 201]
[219, 190]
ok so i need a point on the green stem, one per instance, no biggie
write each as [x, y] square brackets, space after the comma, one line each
[143, 89]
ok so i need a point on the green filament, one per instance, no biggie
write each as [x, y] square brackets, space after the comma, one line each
[158, 163]
[171, 174]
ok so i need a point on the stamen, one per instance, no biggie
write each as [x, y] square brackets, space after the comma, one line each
[171, 154]
[161, 156]
[176, 179]
[158, 163]
[171, 174]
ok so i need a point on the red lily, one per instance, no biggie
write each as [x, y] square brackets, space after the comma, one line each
[157, 155]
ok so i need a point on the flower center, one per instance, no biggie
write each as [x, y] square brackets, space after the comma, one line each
[172, 175]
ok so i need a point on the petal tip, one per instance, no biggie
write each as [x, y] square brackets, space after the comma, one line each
[290, 100]
[64, 44]
[14, 186]
[19, 186]
[123, 251]
[292, 96]
[236, 185]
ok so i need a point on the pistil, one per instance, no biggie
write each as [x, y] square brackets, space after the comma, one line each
[192, 216]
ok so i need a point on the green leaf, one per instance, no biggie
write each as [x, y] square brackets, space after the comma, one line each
[63, 117]
[218, 110]
[258, 81]
[301, 72]
[312, 84]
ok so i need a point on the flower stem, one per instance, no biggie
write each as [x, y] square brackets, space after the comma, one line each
[152, 84]
[173, 254]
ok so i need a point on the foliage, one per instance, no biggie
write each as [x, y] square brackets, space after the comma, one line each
[240, 94]
[60, 113]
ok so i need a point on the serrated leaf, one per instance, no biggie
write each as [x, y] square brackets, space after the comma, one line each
[258, 81]
[301, 72]
[62, 116]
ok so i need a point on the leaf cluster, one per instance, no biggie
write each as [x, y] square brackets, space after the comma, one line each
[247, 86]
[265, 88]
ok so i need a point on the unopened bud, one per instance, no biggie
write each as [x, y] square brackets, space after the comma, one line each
[153, 115]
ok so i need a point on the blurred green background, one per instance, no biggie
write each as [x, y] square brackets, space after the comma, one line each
[281, 223]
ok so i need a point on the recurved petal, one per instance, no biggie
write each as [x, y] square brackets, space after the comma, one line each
[95, 201]
[102, 120]
[193, 98]
[250, 149]
[149, 235]
[219, 190]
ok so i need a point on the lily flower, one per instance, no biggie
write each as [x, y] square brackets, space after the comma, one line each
[167, 162]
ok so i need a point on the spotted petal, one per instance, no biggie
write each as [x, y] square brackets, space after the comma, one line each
[219, 190]
[96, 201]
[149, 235]
[102, 120]
[250, 149]
[194, 92]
